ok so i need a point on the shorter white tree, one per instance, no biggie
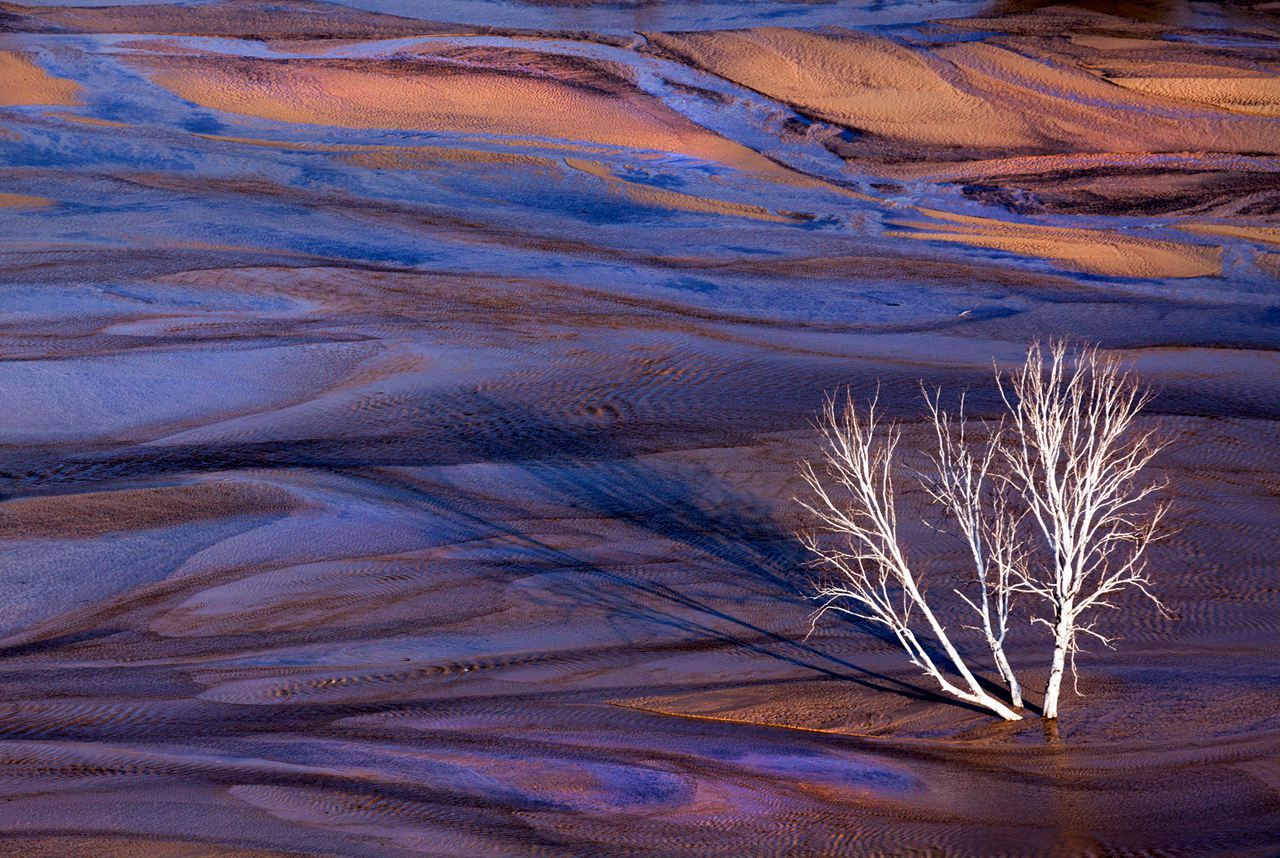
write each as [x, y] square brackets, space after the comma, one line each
[858, 542]
[1075, 458]
[965, 485]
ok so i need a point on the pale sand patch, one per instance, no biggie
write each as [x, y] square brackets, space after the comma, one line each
[24, 82]
[23, 201]
[1259, 96]
[1094, 251]
[431, 97]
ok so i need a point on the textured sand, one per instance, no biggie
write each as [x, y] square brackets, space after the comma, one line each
[1094, 251]
[24, 82]
[443, 97]
[969, 96]
[399, 417]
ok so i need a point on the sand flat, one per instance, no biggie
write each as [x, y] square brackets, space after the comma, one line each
[860, 81]
[402, 416]
[972, 95]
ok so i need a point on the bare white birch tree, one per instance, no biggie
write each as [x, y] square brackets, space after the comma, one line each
[1076, 459]
[964, 484]
[873, 580]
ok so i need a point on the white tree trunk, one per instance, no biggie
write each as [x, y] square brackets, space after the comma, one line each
[1061, 646]
[867, 558]
[983, 699]
[998, 707]
[1074, 456]
[1006, 673]
[976, 692]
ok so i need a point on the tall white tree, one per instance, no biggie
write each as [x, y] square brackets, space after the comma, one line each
[869, 576]
[1076, 458]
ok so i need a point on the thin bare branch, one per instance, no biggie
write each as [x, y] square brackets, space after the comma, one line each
[1076, 461]
[854, 504]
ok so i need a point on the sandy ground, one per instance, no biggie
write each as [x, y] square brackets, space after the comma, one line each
[400, 415]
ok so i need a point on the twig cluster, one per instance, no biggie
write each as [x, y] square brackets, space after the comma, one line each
[1050, 505]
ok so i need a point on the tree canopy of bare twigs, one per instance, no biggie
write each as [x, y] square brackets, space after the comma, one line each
[1049, 502]
[869, 576]
[964, 485]
[1076, 461]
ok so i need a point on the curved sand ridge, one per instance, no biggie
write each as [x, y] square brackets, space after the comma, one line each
[426, 95]
[967, 96]
[1255, 95]
[859, 81]
[1096, 251]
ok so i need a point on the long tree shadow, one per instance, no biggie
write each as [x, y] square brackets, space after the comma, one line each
[586, 467]
[587, 473]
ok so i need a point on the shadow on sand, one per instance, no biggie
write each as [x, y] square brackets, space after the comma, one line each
[741, 536]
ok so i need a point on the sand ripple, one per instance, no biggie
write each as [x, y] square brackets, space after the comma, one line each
[399, 417]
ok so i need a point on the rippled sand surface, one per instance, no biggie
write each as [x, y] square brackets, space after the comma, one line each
[399, 407]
